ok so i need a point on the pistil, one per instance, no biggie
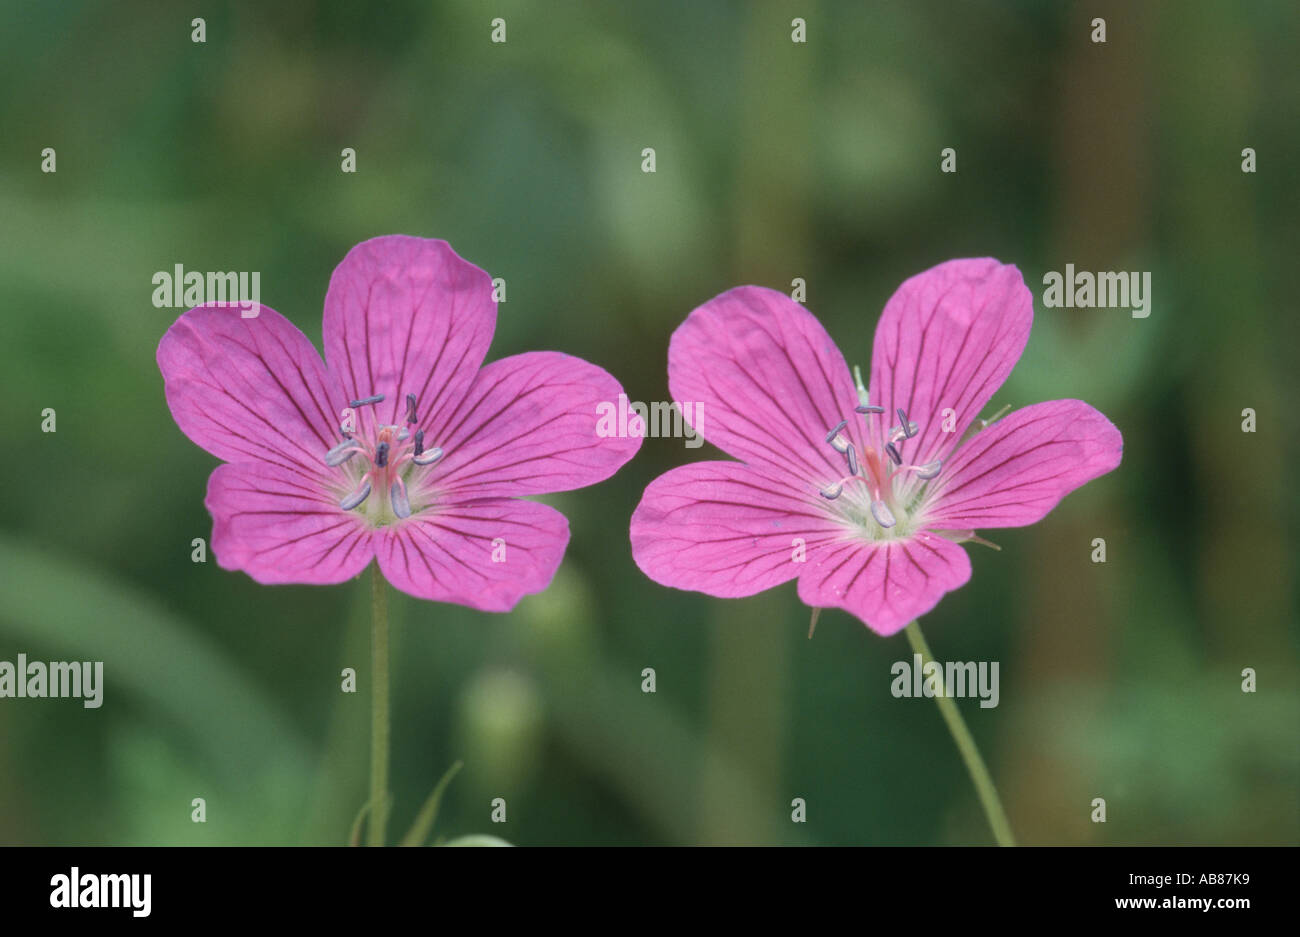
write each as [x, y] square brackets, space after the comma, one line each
[392, 449]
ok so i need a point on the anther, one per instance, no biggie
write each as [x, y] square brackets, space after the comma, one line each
[419, 441]
[428, 458]
[929, 470]
[899, 433]
[401, 504]
[909, 429]
[381, 454]
[374, 398]
[836, 431]
[833, 492]
[404, 435]
[880, 511]
[894, 456]
[852, 455]
[341, 453]
[864, 408]
[410, 408]
[357, 497]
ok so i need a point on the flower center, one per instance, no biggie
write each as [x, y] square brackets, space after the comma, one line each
[872, 503]
[388, 454]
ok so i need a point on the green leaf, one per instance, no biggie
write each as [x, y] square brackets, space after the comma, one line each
[419, 833]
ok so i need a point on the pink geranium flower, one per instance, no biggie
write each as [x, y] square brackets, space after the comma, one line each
[399, 447]
[864, 501]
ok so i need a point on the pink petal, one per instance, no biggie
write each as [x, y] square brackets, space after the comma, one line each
[406, 315]
[528, 425]
[1018, 469]
[250, 390]
[447, 555]
[270, 523]
[947, 339]
[771, 381]
[724, 529]
[887, 584]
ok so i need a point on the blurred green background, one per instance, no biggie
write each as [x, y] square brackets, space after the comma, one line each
[775, 160]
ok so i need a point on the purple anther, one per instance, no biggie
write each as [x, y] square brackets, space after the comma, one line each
[341, 453]
[354, 500]
[397, 495]
[428, 458]
[929, 470]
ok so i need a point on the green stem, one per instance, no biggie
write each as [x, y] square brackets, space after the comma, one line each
[378, 708]
[979, 773]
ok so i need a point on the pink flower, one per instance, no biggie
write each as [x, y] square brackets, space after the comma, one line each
[865, 505]
[401, 448]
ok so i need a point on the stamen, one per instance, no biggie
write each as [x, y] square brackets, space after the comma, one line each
[374, 398]
[852, 455]
[419, 441]
[381, 455]
[404, 435]
[401, 504]
[894, 455]
[840, 444]
[833, 492]
[880, 511]
[899, 433]
[864, 408]
[357, 497]
[341, 453]
[410, 409]
[929, 470]
[836, 431]
[428, 458]
[909, 429]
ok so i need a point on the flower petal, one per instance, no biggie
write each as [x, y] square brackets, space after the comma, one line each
[406, 315]
[270, 523]
[947, 339]
[485, 554]
[250, 389]
[724, 529]
[528, 425]
[1018, 469]
[887, 584]
[771, 382]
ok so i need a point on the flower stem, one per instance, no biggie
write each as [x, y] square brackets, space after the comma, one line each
[378, 708]
[979, 773]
